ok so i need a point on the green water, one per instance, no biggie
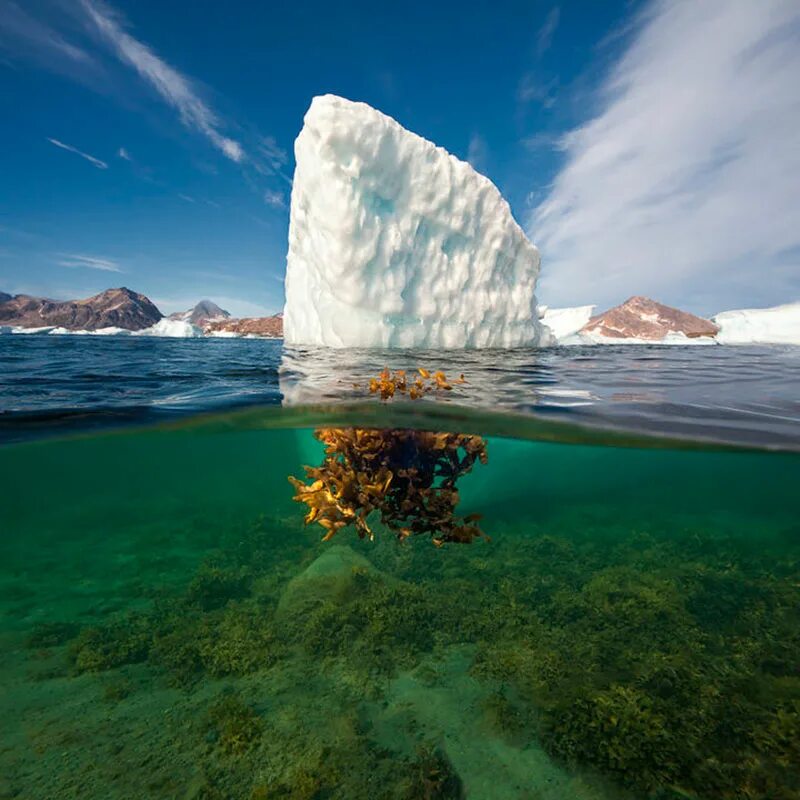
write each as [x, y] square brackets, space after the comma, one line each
[171, 629]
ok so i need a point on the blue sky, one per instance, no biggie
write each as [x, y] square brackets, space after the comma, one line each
[647, 148]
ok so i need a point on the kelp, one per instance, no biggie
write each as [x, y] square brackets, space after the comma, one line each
[387, 384]
[407, 477]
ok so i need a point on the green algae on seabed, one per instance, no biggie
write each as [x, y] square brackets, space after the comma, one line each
[170, 630]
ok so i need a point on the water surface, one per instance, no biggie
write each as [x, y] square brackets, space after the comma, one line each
[170, 627]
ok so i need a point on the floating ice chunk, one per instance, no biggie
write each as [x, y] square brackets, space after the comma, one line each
[393, 242]
[172, 328]
[32, 331]
[776, 325]
[110, 331]
[671, 338]
[564, 322]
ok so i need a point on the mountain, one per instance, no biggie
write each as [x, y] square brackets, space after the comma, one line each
[643, 318]
[205, 311]
[113, 308]
[269, 327]
[4, 296]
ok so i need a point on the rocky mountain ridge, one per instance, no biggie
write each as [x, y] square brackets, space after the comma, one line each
[643, 318]
[269, 327]
[125, 309]
[204, 312]
[113, 308]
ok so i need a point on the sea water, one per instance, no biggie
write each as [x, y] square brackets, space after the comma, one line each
[171, 628]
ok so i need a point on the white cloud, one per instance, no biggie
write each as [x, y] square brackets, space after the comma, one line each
[68, 147]
[544, 38]
[20, 32]
[124, 154]
[533, 89]
[89, 262]
[175, 88]
[686, 185]
[477, 152]
[274, 199]
[274, 154]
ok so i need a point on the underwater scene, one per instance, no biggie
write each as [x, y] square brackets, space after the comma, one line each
[389, 600]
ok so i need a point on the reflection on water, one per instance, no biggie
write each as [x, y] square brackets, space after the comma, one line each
[727, 394]
[171, 628]
[68, 383]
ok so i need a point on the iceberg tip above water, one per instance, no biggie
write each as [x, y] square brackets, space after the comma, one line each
[172, 328]
[776, 325]
[393, 242]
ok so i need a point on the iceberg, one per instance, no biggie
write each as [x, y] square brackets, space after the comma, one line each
[565, 322]
[393, 242]
[171, 328]
[776, 325]
[110, 331]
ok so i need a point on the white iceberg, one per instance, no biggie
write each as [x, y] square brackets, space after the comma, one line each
[110, 331]
[564, 322]
[19, 329]
[393, 242]
[776, 325]
[671, 338]
[171, 328]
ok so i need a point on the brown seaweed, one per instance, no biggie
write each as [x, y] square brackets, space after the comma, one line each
[407, 477]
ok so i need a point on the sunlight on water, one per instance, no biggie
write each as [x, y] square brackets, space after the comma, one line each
[171, 628]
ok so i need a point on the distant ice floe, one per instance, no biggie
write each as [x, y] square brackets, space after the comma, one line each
[564, 322]
[776, 325]
[99, 332]
[18, 329]
[672, 338]
[393, 242]
[171, 328]
[225, 335]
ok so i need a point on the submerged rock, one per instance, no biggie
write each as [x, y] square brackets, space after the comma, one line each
[329, 576]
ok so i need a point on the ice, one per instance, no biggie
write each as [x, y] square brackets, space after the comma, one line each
[672, 338]
[172, 328]
[111, 331]
[44, 329]
[776, 325]
[393, 242]
[564, 322]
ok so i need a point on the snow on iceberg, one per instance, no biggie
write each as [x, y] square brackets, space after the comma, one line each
[393, 242]
[564, 322]
[172, 328]
[776, 325]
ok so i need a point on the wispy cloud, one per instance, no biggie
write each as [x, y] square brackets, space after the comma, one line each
[89, 262]
[174, 88]
[477, 152]
[544, 38]
[532, 88]
[274, 154]
[686, 184]
[274, 199]
[69, 148]
[124, 154]
[19, 31]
